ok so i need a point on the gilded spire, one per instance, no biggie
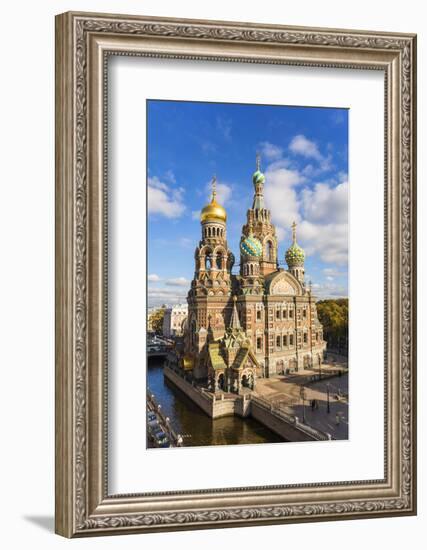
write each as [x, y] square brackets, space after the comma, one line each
[258, 162]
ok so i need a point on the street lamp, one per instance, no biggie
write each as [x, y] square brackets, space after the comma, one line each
[302, 394]
[328, 408]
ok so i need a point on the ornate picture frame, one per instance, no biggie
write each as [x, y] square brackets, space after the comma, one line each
[83, 43]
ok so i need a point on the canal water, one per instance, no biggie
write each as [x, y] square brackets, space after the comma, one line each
[196, 426]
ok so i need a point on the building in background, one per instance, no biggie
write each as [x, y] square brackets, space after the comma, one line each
[261, 322]
[174, 320]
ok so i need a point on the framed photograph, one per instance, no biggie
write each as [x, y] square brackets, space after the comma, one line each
[235, 274]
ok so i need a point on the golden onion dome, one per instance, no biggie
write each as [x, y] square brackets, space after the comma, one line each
[187, 362]
[213, 211]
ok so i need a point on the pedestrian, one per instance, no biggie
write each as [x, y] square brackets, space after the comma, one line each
[316, 404]
[313, 404]
[337, 419]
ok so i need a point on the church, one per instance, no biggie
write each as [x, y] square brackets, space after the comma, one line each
[261, 322]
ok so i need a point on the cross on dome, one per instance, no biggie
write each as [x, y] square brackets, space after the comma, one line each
[214, 186]
[294, 232]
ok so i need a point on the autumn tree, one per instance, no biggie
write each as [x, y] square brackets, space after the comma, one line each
[333, 314]
[156, 319]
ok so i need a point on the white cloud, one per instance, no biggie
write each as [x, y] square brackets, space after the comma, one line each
[178, 281]
[323, 227]
[300, 145]
[270, 151]
[195, 215]
[159, 296]
[329, 241]
[223, 194]
[280, 163]
[325, 203]
[333, 272]
[324, 165]
[153, 278]
[280, 194]
[329, 290]
[163, 200]
[280, 233]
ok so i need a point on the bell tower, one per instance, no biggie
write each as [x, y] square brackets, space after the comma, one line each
[209, 298]
[259, 221]
[213, 259]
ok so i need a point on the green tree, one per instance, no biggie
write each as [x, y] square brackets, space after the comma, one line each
[156, 319]
[333, 314]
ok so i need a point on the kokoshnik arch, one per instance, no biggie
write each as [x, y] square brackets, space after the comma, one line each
[259, 323]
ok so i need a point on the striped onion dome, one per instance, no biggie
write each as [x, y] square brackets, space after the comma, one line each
[251, 246]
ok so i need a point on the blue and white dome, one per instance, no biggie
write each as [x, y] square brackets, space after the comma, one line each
[251, 246]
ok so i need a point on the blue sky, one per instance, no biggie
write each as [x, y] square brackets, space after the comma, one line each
[304, 155]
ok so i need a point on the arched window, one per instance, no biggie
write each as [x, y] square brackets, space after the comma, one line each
[219, 260]
[269, 251]
[208, 261]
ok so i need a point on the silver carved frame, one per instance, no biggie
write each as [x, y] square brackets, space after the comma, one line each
[83, 43]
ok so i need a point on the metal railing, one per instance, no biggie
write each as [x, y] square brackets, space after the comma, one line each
[174, 437]
[290, 419]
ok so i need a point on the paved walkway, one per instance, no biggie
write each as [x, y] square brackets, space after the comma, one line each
[285, 393]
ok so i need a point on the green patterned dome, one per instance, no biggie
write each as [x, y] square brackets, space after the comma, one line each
[258, 177]
[295, 255]
[251, 246]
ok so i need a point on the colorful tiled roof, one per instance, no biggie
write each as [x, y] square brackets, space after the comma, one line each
[215, 357]
[241, 356]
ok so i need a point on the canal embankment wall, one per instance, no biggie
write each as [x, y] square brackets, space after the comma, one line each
[215, 408]
[286, 426]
